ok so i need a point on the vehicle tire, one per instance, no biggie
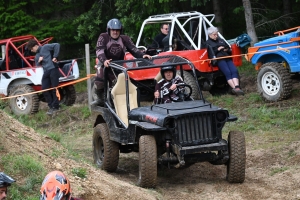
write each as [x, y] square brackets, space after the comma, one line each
[190, 80]
[23, 105]
[237, 157]
[147, 161]
[274, 82]
[67, 95]
[105, 151]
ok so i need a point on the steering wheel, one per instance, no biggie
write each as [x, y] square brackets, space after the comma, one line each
[183, 95]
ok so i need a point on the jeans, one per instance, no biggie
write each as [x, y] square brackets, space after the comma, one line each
[51, 79]
[228, 68]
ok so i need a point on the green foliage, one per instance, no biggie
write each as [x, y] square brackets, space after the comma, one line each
[80, 172]
[27, 166]
[21, 164]
[55, 136]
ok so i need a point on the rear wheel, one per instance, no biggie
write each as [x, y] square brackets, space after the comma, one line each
[68, 95]
[237, 157]
[147, 161]
[23, 104]
[106, 151]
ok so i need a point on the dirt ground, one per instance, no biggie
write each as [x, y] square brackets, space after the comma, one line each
[200, 181]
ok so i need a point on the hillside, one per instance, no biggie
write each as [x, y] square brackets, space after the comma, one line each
[272, 169]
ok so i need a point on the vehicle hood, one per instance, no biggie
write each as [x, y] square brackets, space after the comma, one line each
[160, 113]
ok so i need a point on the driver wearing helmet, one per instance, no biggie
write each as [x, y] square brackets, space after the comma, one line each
[5, 182]
[56, 186]
[111, 45]
[170, 83]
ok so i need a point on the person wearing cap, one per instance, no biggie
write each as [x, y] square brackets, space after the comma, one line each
[5, 182]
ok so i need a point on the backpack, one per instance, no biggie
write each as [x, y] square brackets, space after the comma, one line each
[243, 40]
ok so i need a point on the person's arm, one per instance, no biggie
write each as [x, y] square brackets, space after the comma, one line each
[131, 47]
[55, 47]
[101, 47]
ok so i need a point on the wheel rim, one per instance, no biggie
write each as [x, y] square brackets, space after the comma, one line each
[270, 83]
[21, 102]
[100, 152]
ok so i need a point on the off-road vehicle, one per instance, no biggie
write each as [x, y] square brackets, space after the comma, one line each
[173, 134]
[20, 76]
[186, 38]
[276, 59]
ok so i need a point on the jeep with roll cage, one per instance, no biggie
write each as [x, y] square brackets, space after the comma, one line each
[172, 134]
[186, 38]
[21, 78]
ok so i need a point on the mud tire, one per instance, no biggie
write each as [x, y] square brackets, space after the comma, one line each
[237, 157]
[190, 80]
[105, 151]
[274, 82]
[147, 161]
[68, 95]
[23, 105]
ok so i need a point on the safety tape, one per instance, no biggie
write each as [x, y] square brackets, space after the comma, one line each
[56, 88]
[246, 55]
[90, 75]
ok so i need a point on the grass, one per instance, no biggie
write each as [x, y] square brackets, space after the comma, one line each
[266, 126]
[80, 172]
[25, 166]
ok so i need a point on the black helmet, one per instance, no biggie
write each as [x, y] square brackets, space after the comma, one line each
[114, 24]
[5, 180]
[163, 69]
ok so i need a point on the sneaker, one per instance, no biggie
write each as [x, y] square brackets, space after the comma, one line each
[50, 111]
[237, 91]
[54, 110]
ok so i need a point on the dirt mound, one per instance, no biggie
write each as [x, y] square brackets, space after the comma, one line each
[15, 137]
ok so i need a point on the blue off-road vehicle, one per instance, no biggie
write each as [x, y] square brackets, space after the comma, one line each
[172, 134]
[276, 59]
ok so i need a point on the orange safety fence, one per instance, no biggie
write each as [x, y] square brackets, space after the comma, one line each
[247, 55]
[202, 61]
[56, 88]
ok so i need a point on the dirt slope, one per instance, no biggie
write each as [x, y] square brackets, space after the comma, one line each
[15, 137]
[200, 181]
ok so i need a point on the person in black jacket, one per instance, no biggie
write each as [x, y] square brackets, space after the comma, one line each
[222, 49]
[164, 30]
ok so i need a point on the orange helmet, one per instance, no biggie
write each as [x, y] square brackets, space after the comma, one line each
[56, 186]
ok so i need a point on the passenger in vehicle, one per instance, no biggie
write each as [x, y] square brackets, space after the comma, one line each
[111, 45]
[157, 43]
[168, 86]
[56, 186]
[222, 49]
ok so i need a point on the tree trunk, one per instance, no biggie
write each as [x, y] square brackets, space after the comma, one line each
[249, 21]
[287, 10]
[218, 15]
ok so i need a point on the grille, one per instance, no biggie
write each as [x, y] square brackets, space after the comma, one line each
[195, 129]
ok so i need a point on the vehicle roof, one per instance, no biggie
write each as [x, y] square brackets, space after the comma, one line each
[174, 16]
